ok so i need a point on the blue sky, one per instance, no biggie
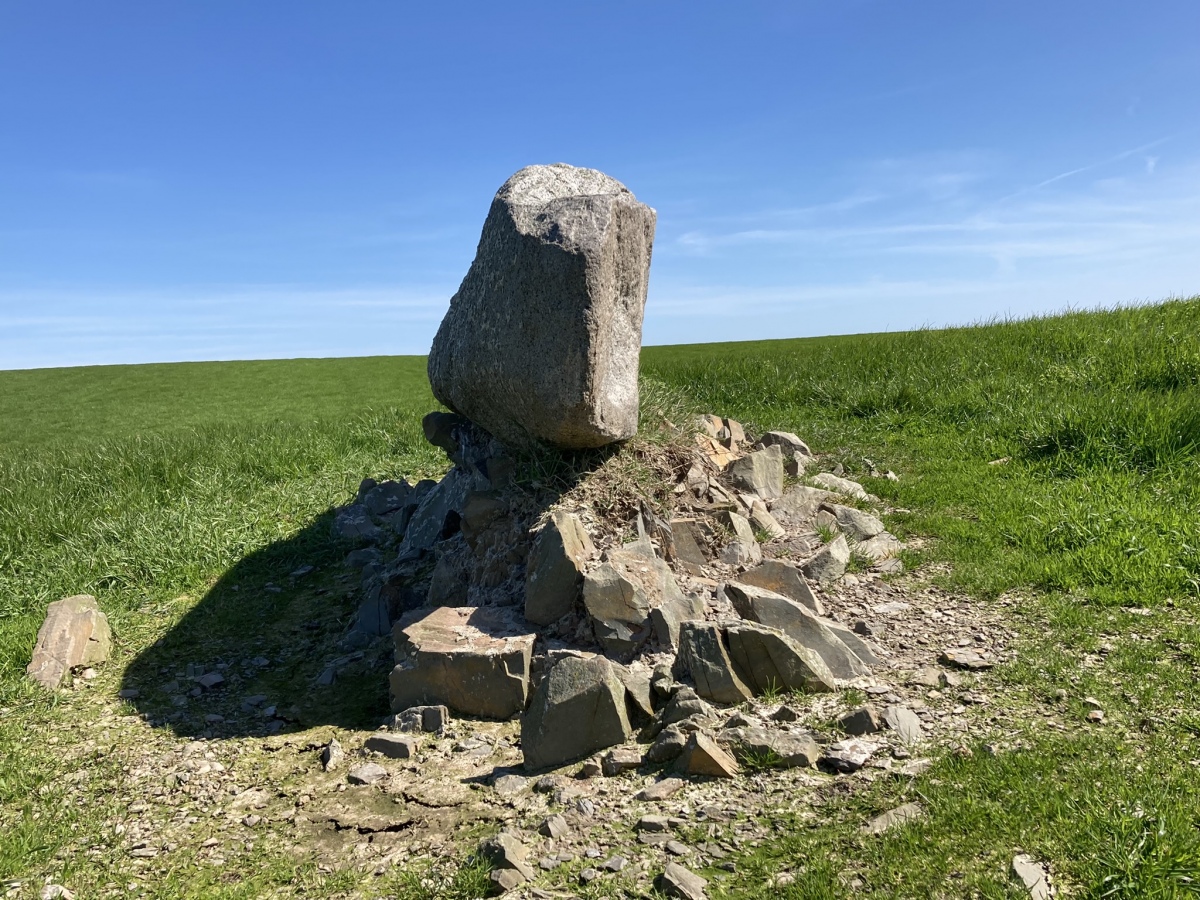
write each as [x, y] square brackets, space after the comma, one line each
[225, 180]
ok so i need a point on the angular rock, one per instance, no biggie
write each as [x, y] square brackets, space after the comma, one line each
[702, 655]
[684, 704]
[332, 755]
[668, 745]
[843, 486]
[354, 523]
[784, 578]
[542, 339]
[420, 719]
[860, 648]
[799, 504]
[1031, 875]
[620, 594]
[554, 827]
[759, 473]
[473, 660]
[771, 661]
[829, 563]
[785, 441]
[762, 520]
[676, 881]
[741, 553]
[74, 633]
[762, 746]
[856, 524]
[687, 544]
[857, 722]
[639, 700]
[554, 572]
[666, 618]
[756, 604]
[393, 746]
[905, 723]
[505, 851]
[893, 817]
[738, 524]
[660, 790]
[881, 547]
[578, 708]
[501, 881]
[849, 755]
[367, 773]
[964, 658]
[387, 497]
[621, 759]
[703, 756]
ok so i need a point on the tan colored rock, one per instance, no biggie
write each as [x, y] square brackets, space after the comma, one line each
[554, 572]
[473, 660]
[74, 633]
[703, 756]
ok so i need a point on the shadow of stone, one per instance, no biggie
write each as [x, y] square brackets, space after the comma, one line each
[278, 642]
[245, 660]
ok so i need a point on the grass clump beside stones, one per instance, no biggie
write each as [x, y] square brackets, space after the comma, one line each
[1053, 462]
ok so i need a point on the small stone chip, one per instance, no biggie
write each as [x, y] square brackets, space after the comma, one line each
[964, 659]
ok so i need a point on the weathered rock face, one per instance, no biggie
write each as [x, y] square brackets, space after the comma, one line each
[702, 655]
[555, 569]
[542, 340]
[620, 594]
[578, 708]
[74, 633]
[473, 660]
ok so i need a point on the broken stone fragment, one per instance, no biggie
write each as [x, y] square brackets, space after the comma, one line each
[829, 563]
[420, 719]
[856, 524]
[578, 708]
[843, 486]
[676, 881]
[554, 572]
[762, 520]
[386, 497]
[473, 660]
[393, 746]
[620, 593]
[542, 339]
[892, 818]
[762, 746]
[860, 721]
[881, 547]
[786, 441]
[784, 578]
[505, 851]
[354, 523]
[770, 660]
[660, 790]
[799, 504]
[963, 658]
[368, 773]
[1031, 875]
[671, 614]
[765, 607]
[703, 756]
[332, 755]
[849, 755]
[74, 633]
[702, 654]
[687, 544]
[741, 553]
[621, 759]
[905, 723]
[759, 473]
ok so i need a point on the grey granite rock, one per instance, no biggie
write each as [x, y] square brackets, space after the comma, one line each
[542, 339]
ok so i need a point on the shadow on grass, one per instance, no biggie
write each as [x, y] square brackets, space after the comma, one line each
[268, 628]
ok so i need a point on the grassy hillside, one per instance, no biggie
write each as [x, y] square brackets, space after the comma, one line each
[1055, 460]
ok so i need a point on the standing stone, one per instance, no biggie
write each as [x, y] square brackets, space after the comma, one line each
[554, 572]
[702, 654]
[74, 633]
[473, 660]
[578, 708]
[542, 339]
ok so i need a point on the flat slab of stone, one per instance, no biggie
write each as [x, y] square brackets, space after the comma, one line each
[784, 578]
[893, 817]
[759, 473]
[473, 660]
[393, 746]
[74, 633]
[578, 708]
[799, 504]
[768, 746]
[855, 523]
[1030, 874]
[770, 660]
[765, 607]
[843, 486]
[542, 339]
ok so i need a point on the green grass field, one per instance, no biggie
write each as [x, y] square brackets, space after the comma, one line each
[1055, 460]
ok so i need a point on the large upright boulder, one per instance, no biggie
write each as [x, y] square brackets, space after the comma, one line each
[541, 341]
